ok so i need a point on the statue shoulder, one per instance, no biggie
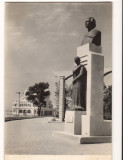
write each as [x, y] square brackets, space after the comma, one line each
[83, 68]
[95, 32]
[76, 68]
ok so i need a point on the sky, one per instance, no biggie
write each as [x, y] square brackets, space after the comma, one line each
[41, 41]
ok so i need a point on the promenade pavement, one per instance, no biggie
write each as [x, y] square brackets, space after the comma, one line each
[34, 137]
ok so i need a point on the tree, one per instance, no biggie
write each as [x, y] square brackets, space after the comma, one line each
[48, 102]
[57, 95]
[107, 102]
[37, 94]
[68, 95]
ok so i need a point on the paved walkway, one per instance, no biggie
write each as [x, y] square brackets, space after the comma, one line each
[34, 136]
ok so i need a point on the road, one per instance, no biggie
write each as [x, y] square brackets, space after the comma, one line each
[34, 137]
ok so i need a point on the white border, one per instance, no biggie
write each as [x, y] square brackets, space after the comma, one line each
[1, 80]
[117, 80]
[117, 74]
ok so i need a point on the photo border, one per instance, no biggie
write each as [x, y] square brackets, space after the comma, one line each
[117, 86]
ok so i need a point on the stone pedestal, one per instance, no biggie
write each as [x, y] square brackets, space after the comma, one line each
[95, 126]
[93, 123]
[73, 122]
[81, 139]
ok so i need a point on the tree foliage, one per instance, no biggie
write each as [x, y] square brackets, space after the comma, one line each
[107, 102]
[49, 103]
[68, 95]
[57, 95]
[37, 94]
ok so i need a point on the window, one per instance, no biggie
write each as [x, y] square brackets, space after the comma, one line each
[14, 110]
[20, 111]
[24, 111]
[28, 111]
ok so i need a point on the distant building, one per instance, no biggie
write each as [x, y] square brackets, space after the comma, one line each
[24, 108]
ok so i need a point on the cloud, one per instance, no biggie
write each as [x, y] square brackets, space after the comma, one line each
[40, 23]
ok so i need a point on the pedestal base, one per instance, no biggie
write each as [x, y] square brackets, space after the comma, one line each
[73, 122]
[81, 139]
[54, 120]
[96, 126]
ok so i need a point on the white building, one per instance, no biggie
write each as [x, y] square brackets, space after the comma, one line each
[24, 107]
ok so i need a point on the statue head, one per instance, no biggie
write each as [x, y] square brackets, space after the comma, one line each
[90, 23]
[77, 60]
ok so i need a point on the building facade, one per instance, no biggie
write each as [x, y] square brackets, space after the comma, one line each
[23, 107]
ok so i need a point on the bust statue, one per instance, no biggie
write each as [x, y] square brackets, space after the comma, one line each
[93, 35]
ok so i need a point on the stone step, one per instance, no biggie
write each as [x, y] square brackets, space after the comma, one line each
[81, 139]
